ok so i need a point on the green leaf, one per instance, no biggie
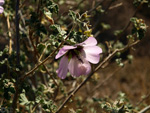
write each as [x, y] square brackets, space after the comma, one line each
[72, 14]
[96, 99]
[53, 7]
[139, 27]
[41, 47]
[105, 26]
[117, 32]
[23, 99]
[57, 30]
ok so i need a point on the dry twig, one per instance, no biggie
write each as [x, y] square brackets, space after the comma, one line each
[144, 110]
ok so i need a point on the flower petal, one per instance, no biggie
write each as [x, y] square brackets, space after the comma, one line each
[63, 50]
[92, 53]
[1, 9]
[79, 67]
[63, 67]
[1, 2]
[91, 41]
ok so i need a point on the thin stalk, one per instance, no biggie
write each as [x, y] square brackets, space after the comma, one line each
[10, 36]
[16, 95]
[17, 32]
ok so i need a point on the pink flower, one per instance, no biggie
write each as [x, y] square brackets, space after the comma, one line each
[76, 58]
[1, 8]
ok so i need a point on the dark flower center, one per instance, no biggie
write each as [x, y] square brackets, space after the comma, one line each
[75, 53]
